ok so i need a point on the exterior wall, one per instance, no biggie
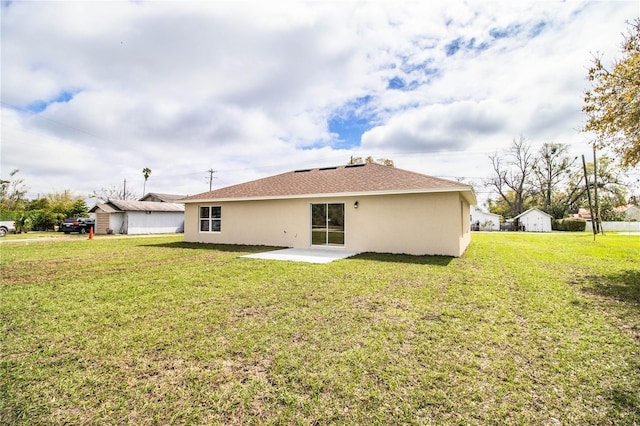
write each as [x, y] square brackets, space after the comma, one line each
[465, 226]
[535, 221]
[117, 222]
[436, 223]
[102, 223]
[139, 222]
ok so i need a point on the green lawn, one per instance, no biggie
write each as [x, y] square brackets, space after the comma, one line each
[523, 329]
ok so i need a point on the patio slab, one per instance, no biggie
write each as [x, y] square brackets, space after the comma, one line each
[303, 255]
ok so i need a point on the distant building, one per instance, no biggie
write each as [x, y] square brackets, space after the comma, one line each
[534, 220]
[483, 221]
[162, 198]
[631, 212]
[138, 217]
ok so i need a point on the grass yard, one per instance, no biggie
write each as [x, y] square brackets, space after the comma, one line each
[523, 329]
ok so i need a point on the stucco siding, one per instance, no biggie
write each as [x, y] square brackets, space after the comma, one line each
[434, 223]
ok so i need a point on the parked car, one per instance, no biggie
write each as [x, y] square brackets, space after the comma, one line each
[77, 224]
[7, 226]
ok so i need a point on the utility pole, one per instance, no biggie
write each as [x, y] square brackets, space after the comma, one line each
[595, 189]
[586, 181]
[124, 190]
[211, 172]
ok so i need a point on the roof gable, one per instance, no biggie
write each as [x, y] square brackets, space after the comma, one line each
[339, 180]
[531, 211]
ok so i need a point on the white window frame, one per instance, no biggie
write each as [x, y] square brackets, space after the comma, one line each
[210, 220]
[327, 232]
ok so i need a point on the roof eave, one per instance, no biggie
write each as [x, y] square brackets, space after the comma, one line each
[467, 192]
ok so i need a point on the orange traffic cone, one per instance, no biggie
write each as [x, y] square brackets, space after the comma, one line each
[91, 233]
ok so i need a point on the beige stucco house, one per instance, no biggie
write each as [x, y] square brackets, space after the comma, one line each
[360, 207]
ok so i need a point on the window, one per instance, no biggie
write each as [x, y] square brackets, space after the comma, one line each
[327, 224]
[210, 218]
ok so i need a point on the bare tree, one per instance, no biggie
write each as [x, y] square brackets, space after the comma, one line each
[371, 160]
[113, 193]
[512, 175]
[552, 170]
[12, 192]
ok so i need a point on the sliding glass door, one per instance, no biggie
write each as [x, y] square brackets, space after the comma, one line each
[327, 224]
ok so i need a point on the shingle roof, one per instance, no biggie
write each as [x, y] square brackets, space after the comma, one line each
[127, 205]
[524, 213]
[165, 198]
[357, 179]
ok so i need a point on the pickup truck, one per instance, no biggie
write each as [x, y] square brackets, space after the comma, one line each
[7, 226]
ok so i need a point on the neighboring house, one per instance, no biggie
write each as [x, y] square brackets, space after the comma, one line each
[138, 217]
[162, 198]
[631, 213]
[482, 221]
[534, 220]
[360, 207]
[583, 214]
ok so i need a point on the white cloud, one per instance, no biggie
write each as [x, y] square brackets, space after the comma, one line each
[247, 88]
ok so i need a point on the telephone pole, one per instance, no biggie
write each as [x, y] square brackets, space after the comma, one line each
[211, 172]
[595, 190]
[586, 182]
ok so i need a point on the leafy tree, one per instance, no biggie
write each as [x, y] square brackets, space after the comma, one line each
[612, 191]
[512, 176]
[38, 204]
[79, 209]
[62, 202]
[609, 210]
[612, 104]
[40, 220]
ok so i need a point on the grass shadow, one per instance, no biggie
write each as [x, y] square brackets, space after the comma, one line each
[623, 286]
[621, 292]
[404, 258]
[231, 248]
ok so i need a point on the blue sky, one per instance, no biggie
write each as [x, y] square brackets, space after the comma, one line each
[39, 105]
[92, 93]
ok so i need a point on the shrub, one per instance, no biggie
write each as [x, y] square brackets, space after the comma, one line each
[42, 220]
[570, 224]
[7, 215]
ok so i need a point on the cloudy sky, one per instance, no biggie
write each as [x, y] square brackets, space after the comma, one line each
[93, 92]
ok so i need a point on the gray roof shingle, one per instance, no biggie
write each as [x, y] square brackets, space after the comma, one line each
[126, 205]
[341, 180]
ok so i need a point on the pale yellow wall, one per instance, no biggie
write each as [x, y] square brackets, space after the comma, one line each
[413, 224]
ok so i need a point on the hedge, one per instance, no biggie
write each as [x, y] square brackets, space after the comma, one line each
[570, 224]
